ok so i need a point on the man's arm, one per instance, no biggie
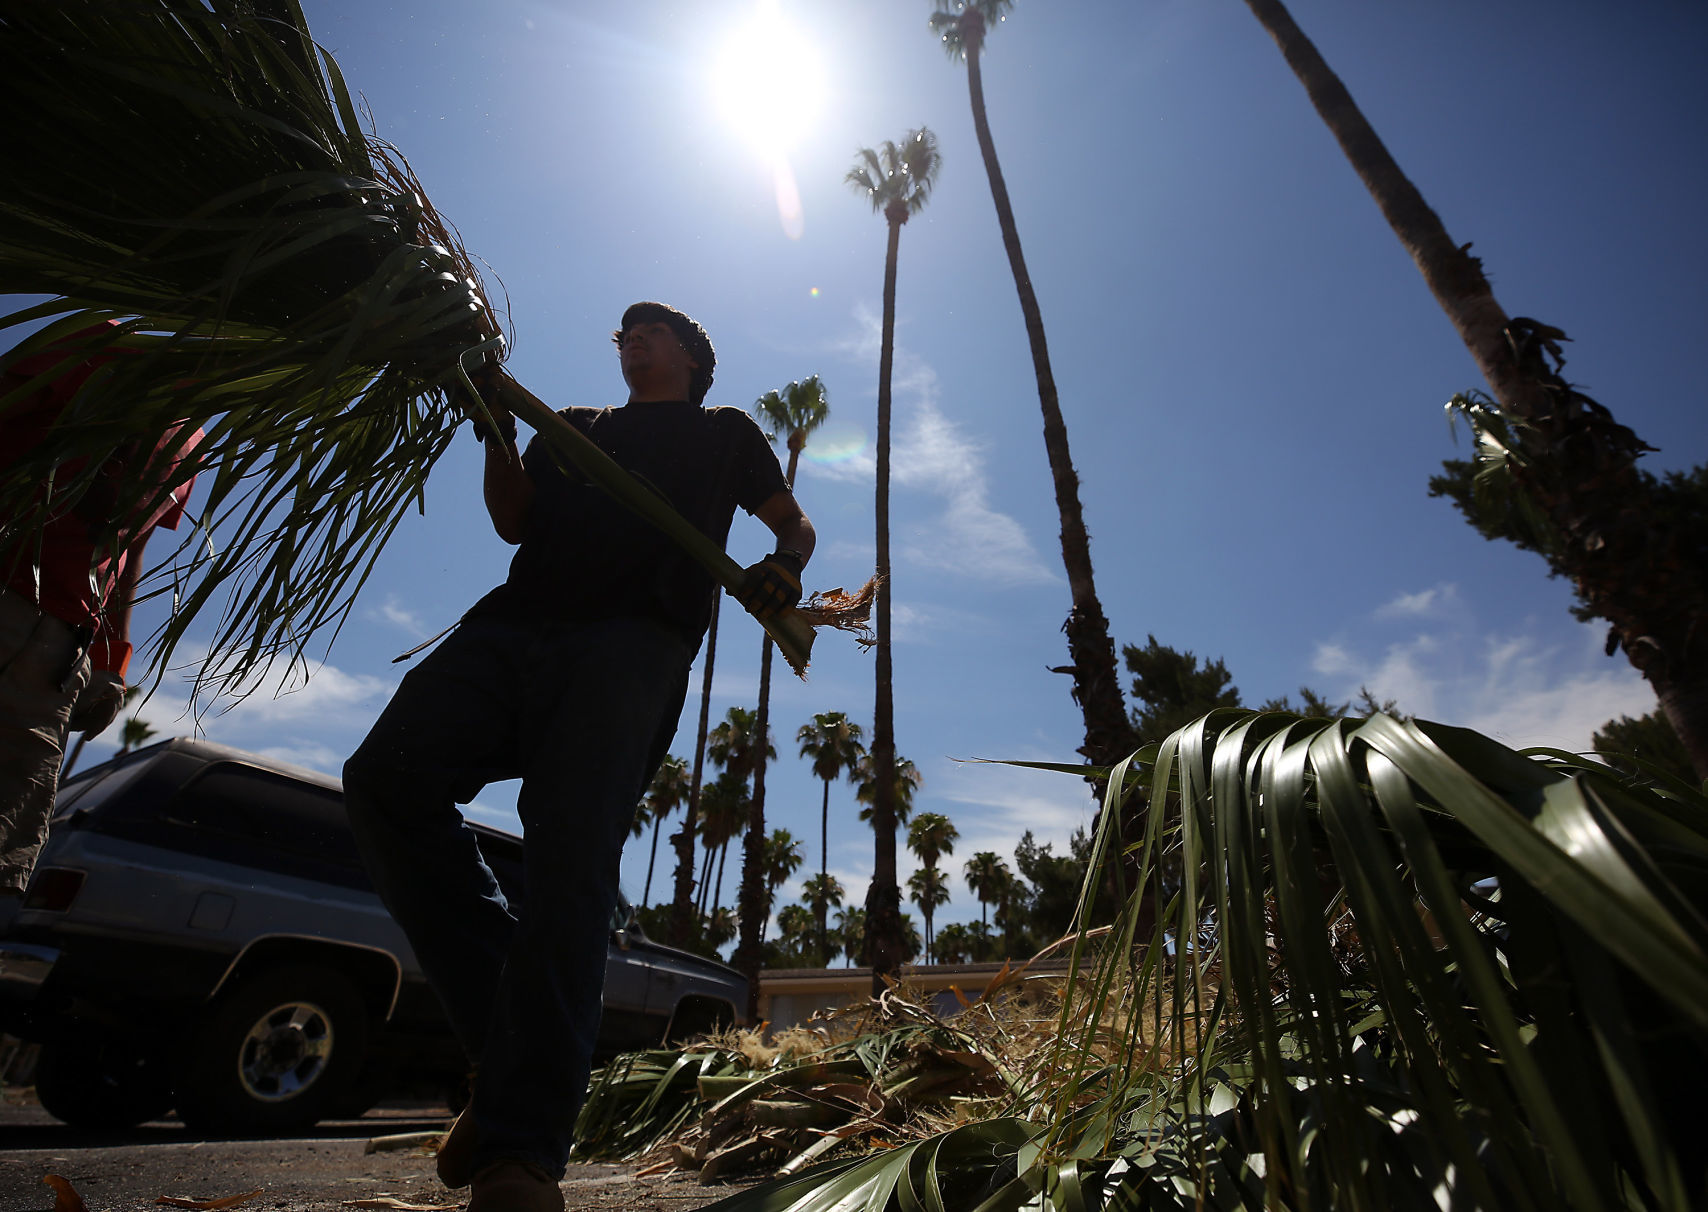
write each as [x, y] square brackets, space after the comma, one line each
[508, 489]
[782, 513]
[774, 584]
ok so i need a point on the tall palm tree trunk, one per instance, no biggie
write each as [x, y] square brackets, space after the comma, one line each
[824, 875]
[755, 901]
[752, 903]
[883, 897]
[1454, 277]
[1109, 735]
[682, 919]
[1641, 578]
[652, 861]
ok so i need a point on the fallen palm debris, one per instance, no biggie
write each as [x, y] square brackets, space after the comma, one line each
[428, 1141]
[867, 1078]
[208, 1205]
[65, 1197]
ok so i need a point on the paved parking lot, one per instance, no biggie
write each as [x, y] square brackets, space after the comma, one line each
[327, 1172]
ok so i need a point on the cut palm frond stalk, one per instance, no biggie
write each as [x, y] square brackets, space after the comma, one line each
[190, 197]
[1401, 967]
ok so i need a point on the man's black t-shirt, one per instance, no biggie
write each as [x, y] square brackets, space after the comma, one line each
[585, 556]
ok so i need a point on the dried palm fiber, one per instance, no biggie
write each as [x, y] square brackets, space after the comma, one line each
[196, 173]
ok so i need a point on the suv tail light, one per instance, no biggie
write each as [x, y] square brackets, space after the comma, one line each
[53, 888]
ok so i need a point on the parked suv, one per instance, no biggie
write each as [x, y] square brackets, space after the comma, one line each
[200, 934]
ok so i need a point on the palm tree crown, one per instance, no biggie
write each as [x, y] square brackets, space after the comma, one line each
[897, 179]
[988, 878]
[734, 744]
[792, 413]
[961, 24]
[932, 835]
[907, 780]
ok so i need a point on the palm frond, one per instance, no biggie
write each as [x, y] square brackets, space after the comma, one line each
[196, 174]
[1409, 962]
[1368, 964]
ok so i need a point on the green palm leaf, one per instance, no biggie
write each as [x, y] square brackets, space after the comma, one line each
[1421, 963]
[197, 175]
[1399, 966]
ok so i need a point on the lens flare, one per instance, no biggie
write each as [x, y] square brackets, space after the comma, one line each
[835, 443]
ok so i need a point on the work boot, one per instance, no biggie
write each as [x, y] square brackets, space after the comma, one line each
[514, 1186]
[455, 1161]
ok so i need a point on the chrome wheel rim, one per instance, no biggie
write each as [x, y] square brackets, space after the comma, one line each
[285, 1052]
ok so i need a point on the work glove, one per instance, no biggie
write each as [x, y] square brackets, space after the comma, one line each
[99, 703]
[771, 586]
[486, 383]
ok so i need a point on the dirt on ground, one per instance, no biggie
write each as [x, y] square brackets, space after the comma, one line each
[328, 1172]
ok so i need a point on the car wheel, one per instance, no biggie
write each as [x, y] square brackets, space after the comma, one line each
[280, 1052]
[694, 1020]
[101, 1086]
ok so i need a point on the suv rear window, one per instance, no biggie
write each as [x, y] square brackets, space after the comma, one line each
[266, 820]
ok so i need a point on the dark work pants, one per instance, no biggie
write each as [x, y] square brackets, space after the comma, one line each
[582, 713]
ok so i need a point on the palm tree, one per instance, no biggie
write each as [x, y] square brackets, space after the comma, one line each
[720, 926]
[897, 181]
[832, 743]
[735, 748]
[723, 812]
[867, 789]
[795, 928]
[683, 912]
[988, 877]
[821, 892]
[783, 858]
[133, 732]
[791, 414]
[928, 889]
[954, 944]
[1567, 470]
[962, 25]
[851, 934]
[932, 835]
[668, 791]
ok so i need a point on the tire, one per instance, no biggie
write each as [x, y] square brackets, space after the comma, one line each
[278, 1054]
[101, 1086]
[697, 1019]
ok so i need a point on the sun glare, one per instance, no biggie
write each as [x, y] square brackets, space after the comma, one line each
[768, 82]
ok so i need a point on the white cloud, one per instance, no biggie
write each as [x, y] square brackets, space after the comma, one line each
[312, 719]
[1431, 602]
[934, 457]
[1516, 688]
[407, 621]
[1331, 660]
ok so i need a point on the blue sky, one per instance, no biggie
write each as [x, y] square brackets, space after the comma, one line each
[1251, 369]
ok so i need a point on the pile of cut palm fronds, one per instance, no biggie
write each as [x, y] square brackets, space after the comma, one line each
[737, 1105]
[1393, 966]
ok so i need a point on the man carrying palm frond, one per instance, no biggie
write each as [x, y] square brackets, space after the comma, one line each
[570, 675]
[67, 579]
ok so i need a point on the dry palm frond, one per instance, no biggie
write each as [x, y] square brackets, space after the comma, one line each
[850, 612]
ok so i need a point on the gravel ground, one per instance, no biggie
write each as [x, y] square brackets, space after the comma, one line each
[129, 1172]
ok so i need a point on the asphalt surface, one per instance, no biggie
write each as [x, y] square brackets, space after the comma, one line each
[327, 1172]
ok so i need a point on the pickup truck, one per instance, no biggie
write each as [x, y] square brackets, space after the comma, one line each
[199, 934]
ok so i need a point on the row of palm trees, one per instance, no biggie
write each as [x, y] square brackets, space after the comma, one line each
[726, 809]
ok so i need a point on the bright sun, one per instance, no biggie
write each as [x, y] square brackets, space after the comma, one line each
[768, 82]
